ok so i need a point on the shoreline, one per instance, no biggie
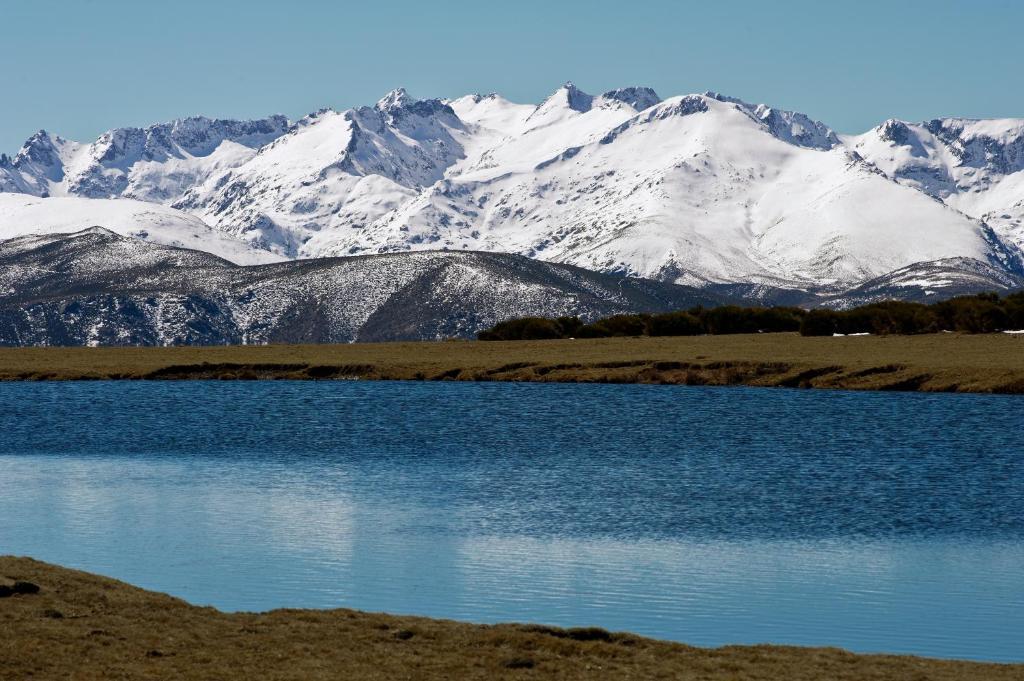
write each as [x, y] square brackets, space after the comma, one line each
[88, 626]
[992, 363]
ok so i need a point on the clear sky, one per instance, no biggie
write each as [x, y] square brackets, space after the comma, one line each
[79, 67]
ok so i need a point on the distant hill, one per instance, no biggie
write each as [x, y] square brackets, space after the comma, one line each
[95, 287]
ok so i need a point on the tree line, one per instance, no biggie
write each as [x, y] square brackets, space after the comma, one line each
[983, 313]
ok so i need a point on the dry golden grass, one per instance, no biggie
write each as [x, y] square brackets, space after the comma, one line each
[85, 627]
[937, 362]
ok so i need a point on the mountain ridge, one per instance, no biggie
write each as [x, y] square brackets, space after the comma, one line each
[95, 287]
[703, 189]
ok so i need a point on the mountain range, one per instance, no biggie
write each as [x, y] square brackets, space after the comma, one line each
[701, 190]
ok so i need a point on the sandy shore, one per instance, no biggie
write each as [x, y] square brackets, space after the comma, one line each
[85, 627]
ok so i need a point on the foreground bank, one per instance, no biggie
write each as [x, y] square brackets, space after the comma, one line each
[89, 627]
[937, 362]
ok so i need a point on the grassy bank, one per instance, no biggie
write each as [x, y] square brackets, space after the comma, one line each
[85, 627]
[936, 362]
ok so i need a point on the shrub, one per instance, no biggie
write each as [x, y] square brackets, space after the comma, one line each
[527, 328]
[569, 326]
[730, 319]
[735, 319]
[1014, 306]
[617, 325]
[777, 319]
[976, 314]
[892, 317]
[857, 320]
[674, 324]
[819, 323]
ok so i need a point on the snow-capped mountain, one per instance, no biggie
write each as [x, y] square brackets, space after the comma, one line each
[791, 126]
[155, 164]
[700, 189]
[693, 189]
[333, 171]
[976, 167]
[22, 214]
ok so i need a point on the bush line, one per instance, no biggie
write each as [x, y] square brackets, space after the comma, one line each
[982, 313]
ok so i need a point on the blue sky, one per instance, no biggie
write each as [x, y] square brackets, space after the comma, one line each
[79, 67]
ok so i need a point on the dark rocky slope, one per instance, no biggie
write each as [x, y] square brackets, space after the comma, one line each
[97, 288]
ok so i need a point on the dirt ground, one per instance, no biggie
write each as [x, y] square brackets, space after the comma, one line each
[85, 627]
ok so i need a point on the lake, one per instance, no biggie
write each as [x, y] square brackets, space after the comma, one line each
[872, 521]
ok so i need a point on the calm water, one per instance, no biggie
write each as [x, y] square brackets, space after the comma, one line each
[876, 522]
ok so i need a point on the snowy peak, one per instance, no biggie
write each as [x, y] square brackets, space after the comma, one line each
[200, 136]
[687, 105]
[121, 162]
[197, 136]
[474, 99]
[672, 107]
[694, 189]
[974, 166]
[797, 128]
[640, 98]
[159, 163]
[399, 104]
[40, 152]
[571, 96]
[997, 145]
[409, 141]
[396, 99]
[333, 170]
[566, 101]
[789, 126]
[896, 131]
[38, 164]
[733, 114]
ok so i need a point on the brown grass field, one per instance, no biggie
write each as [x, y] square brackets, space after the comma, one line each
[943, 362]
[89, 628]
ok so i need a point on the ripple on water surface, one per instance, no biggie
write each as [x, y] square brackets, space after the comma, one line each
[872, 521]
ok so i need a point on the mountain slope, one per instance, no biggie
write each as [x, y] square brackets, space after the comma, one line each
[98, 288]
[22, 214]
[976, 167]
[928, 282]
[333, 170]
